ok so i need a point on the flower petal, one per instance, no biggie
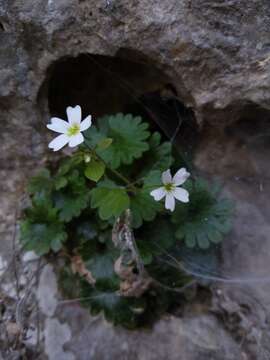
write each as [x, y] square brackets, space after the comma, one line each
[169, 202]
[166, 177]
[86, 123]
[180, 177]
[158, 194]
[75, 140]
[74, 114]
[181, 194]
[58, 125]
[59, 142]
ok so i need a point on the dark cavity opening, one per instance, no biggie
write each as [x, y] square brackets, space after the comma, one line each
[127, 83]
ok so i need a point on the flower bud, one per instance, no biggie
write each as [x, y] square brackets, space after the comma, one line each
[87, 158]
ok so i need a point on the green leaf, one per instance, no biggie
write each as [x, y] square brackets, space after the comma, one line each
[70, 205]
[104, 143]
[143, 208]
[86, 230]
[42, 209]
[69, 164]
[73, 198]
[42, 200]
[42, 237]
[205, 219]
[69, 282]
[128, 136]
[95, 170]
[60, 182]
[154, 239]
[101, 267]
[110, 200]
[76, 182]
[190, 239]
[41, 182]
[117, 309]
[202, 240]
[142, 204]
[169, 275]
[214, 236]
[152, 180]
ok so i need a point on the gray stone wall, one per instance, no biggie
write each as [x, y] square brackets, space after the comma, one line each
[217, 56]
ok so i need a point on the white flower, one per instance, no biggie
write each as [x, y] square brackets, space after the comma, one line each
[70, 130]
[171, 189]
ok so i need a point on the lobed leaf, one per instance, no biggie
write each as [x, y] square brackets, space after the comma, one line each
[73, 198]
[128, 134]
[154, 239]
[205, 219]
[42, 237]
[69, 205]
[110, 200]
[41, 182]
[95, 170]
[143, 208]
[104, 143]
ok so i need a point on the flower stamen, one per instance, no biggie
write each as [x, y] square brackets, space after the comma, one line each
[73, 130]
[169, 187]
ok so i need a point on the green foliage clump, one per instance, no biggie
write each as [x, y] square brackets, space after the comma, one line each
[75, 208]
[205, 219]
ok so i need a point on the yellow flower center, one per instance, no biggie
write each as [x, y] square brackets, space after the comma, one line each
[169, 187]
[74, 129]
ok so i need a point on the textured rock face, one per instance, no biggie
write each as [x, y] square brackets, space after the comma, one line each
[216, 51]
[216, 54]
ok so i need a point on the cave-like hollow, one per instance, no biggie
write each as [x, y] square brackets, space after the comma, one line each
[128, 82]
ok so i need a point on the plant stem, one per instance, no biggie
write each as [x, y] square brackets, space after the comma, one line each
[115, 172]
[122, 177]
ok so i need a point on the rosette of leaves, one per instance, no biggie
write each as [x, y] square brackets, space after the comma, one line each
[205, 219]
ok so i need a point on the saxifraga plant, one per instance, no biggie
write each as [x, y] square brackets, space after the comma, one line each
[102, 210]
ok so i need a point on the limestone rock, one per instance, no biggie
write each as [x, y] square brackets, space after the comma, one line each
[216, 52]
[216, 55]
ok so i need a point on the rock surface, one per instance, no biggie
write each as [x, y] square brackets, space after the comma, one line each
[216, 54]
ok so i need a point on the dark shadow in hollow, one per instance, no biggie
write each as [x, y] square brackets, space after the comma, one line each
[128, 83]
